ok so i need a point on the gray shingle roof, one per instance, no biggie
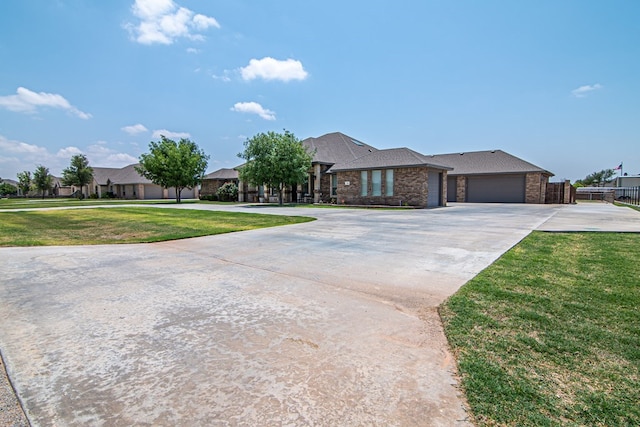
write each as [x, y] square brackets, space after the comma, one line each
[485, 162]
[223, 174]
[336, 147]
[125, 175]
[394, 157]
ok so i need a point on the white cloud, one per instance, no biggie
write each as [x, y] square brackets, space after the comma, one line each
[168, 134]
[134, 129]
[192, 50]
[27, 101]
[16, 156]
[272, 69]
[18, 147]
[68, 152]
[254, 108]
[163, 21]
[583, 91]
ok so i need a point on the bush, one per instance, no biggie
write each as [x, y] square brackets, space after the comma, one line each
[93, 196]
[228, 192]
[209, 197]
[108, 195]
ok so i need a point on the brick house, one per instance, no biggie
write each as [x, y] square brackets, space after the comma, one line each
[345, 170]
[394, 177]
[213, 181]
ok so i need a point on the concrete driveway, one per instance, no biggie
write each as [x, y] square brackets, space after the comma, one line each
[331, 322]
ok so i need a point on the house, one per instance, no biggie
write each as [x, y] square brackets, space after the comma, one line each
[493, 177]
[127, 183]
[396, 177]
[213, 181]
[345, 170]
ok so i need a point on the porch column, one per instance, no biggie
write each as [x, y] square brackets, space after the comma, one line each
[316, 183]
[240, 191]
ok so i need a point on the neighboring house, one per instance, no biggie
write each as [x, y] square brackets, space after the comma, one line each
[213, 181]
[627, 181]
[493, 177]
[127, 183]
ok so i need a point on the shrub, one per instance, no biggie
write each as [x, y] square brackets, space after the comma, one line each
[228, 192]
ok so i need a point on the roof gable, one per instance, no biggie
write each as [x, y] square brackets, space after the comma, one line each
[125, 175]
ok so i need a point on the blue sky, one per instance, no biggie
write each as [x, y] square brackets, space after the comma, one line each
[554, 82]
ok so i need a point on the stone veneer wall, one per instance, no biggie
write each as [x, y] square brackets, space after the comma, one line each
[461, 189]
[536, 187]
[410, 188]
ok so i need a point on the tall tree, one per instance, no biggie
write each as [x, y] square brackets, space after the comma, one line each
[597, 179]
[170, 164]
[79, 173]
[275, 159]
[24, 182]
[42, 179]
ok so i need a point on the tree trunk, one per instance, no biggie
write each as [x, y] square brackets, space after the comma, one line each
[178, 193]
[280, 195]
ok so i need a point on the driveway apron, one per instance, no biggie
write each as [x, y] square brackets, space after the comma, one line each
[331, 322]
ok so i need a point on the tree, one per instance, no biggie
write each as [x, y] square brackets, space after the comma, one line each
[170, 164]
[275, 159]
[42, 179]
[24, 182]
[597, 179]
[7, 189]
[79, 173]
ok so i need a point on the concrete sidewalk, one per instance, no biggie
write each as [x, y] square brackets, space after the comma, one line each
[332, 322]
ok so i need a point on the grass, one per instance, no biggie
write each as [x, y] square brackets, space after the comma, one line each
[549, 334]
[125, 225]
[24, 203]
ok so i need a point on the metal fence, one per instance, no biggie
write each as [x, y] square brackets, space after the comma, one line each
[630, 195]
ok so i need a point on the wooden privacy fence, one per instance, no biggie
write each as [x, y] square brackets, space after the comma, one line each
[560, 193]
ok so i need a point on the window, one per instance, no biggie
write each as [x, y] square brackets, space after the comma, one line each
[334, 185]
[364, 183]
[376, 183]
[388, 188]
[261, 190]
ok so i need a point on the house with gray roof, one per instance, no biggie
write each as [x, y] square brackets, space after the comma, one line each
[347, 171]
[127, 183]
[493, 176]
[214, 180]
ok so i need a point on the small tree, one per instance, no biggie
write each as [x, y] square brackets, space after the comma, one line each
[275, 159]
[170, 164]
[24, 182]
[79, 173]
[228, 192]
[42, 179]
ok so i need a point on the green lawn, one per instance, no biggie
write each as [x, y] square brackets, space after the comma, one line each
[125, 225]
[20, 203]
[550, 333]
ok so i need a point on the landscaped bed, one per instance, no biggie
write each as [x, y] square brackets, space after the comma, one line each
[549, 334]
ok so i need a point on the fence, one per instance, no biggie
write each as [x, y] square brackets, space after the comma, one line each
[630, 195]
[606, 194]
[560, 193]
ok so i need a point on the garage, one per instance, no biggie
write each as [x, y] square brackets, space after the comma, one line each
[496, 189]
[434, 191]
